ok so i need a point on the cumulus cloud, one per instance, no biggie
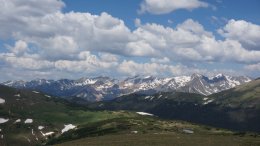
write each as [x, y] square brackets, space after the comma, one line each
[248, 34]
[253, 67]
[20, 47]
[91, 63]
[133, 68]
[25, 62]
[15, 13]
[49, 41]
[160, 60]
[167, 6]
[79, 32]
[193, 43]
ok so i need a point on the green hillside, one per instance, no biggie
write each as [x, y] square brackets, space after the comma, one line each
[27, 111]
[164, 139]
[50, 112]
[235, 109]
[243, 96]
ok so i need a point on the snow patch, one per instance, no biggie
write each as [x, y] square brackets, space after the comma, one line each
[199, 91]
[27, 121]
[18, 121]
[35, 92]
[47, 96]
[17, 95]
[188, 131]
[205, 98]
[3, 120]
[144, 113]
[40, 127]
[46, 134]
[149, 97]
[67, 128]
[209, 101]
[2, 100]
[86, 82]
[182, 80]
[232, 83]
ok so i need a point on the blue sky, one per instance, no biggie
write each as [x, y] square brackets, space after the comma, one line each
[127, 11]
[70, 39]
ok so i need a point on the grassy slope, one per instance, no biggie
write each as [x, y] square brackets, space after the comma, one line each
[166, 139]
[45, 111]
[245, 96]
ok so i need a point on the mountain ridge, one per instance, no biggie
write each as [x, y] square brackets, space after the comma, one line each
[106, 88]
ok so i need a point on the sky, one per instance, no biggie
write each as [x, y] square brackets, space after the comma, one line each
[56, 39]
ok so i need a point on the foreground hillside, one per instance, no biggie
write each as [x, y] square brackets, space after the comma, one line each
[30, 117]
[165, 139]
[237, 108]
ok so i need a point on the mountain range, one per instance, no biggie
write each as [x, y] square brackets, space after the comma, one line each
[105, 88]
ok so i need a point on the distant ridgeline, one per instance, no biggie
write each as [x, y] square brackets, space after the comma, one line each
[105, 88]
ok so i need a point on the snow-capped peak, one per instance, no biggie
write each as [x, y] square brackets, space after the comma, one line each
[85, 81]
[182, 80]
[105, 88]
[219, 75]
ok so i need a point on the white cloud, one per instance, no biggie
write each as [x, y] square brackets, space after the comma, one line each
[26, 62]
[160, 60]
[107, 57]
[20, 47]
[81, 32]
[133, 68]
[49, 41]
[193, 43]
[167, 6]
[15, 13]
[140, 48]
[196, 28]
[245, 32]
[253, 67]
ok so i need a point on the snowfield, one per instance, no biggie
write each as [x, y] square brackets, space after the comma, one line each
[209, 101]
[40, 127]
[144, 113]
[2, 100]
[27, 121]
[18, 121]
[46, 134]
[188, 131]
[67, 128]
[3, 120]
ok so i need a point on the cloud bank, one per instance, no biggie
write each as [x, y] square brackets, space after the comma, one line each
[52, 43]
